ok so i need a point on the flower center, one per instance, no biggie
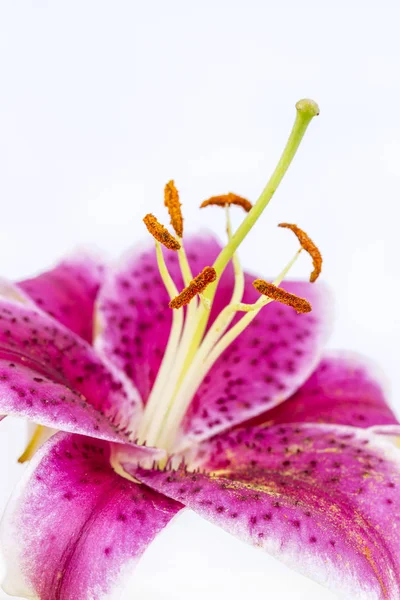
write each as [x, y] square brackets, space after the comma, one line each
[192, 350]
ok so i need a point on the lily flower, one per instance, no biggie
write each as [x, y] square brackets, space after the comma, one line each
[224, 403]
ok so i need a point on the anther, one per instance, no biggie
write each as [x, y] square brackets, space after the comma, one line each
[171, 201]
[196, 286]
[301, 305]
[309, 247]
[227, 200]
[160, 233]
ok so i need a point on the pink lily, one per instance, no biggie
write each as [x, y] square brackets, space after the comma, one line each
[260, 433]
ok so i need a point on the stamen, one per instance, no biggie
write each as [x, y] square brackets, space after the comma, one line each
[33, 444]
[196, 286]
[309, 246]
[301, 305]
[209, 351]
[227, 200]
[171, 201]
[170, 351]
[160, 233]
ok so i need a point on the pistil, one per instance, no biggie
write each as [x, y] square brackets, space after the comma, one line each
[305, 111]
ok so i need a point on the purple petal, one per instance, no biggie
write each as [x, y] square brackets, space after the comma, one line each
[322, 498]
[134, 317]
[28, 393]
[41, 362]
[74, 527]
[266, 364]
[68, 292]
[344, 389]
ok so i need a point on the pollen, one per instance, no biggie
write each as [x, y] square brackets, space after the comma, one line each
[301, 305]
[227, 200]
[160, 233]
[196, 286]
[309, 247]
[171, 201]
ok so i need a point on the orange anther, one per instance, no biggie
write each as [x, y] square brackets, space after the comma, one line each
[309, 247]
[171, 201]
[301, 305]
[227, 200]
[160, 233]
[196, 286]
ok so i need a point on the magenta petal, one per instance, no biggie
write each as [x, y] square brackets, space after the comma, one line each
[322, 498]
[36, 351]
[133, 314]
[266, 364]
[68, 292]
[344, 389]
[74, 527]
[28, 393]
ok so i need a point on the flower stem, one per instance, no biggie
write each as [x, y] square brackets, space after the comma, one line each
[306, 110]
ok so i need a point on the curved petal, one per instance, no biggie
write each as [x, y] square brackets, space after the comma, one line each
[27, 392]
[41, 360]
[268, 362]
[322, 498]
[134, 319]
[345, 388]
[74, 527]
[68, 292]
[265, 365]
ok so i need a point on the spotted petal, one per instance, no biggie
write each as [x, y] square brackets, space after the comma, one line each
[344, 389]
[74, 527]
[68, 292]
[134, 319]
[266, 364]
[52, 376]
[322, 498]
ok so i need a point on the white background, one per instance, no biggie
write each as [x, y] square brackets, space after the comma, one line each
[102, 102]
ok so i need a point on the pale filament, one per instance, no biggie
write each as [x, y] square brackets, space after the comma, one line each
[213, 345]
[172, 364]
[175, 362]
[170, 351]
[177, 381]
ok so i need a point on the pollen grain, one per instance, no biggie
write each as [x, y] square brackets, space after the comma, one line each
[196, 286]
[160, 233]
[227, 200]
[301, 305]
[171, 201]
[309, 246]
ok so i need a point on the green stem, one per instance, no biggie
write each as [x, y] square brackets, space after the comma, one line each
[306, 110]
